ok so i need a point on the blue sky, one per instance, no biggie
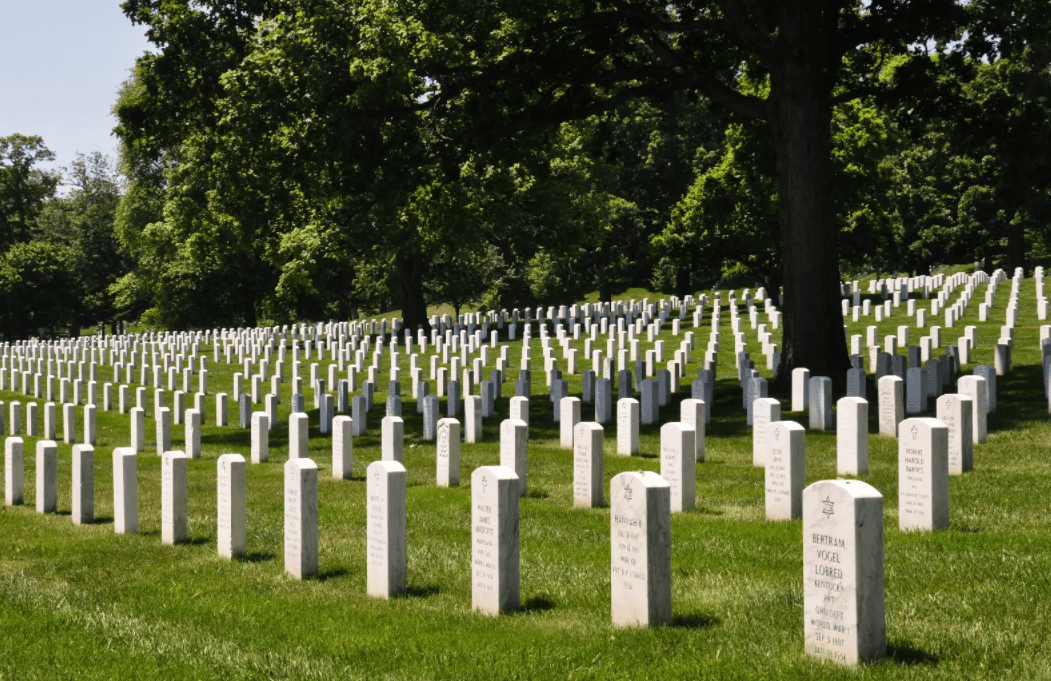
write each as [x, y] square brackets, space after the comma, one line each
[61, 64]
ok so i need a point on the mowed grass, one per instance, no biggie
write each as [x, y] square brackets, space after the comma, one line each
[971, 601]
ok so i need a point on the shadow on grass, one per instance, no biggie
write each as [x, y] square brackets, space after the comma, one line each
[541, 603]
[422, 591]
[908, 656]
[334, 573]
[258, 557]
[694, 620]
[196, 541]
[537, 494]
[102, 520]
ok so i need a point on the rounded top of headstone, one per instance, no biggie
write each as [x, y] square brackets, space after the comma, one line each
[642, 478]
[384, 466]
[300, 464]
[856, 489]
[492, 473]
[227, 459]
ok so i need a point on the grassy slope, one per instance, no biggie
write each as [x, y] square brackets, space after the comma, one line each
[970, 601]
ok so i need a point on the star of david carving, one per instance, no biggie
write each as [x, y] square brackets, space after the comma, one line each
[827, 510]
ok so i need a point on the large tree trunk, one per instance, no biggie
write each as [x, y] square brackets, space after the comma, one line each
[413, 306]
[799, 111]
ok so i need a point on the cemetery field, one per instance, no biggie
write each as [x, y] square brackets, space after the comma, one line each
[970, 601]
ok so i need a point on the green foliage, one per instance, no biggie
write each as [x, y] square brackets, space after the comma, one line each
[38, 289]
[24, 188]
[84, 222]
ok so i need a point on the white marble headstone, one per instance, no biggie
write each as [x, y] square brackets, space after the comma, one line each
[640, 549]
[785, 470]
[301, 530]
[385, 536]
[495, 576]
[232, 508]
[923, 474]
[843, 598]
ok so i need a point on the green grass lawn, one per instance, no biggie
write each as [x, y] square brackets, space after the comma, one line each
[970, 601]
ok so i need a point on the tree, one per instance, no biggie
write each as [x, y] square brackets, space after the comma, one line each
[83, 221]
[38, 290]
[23, 187]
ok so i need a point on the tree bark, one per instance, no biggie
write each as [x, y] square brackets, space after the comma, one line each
[799, 111]
[413, 306]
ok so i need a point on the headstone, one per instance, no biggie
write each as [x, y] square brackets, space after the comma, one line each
[852, 436]
[650, 410]
[923, 475]
[495, 576]
[138, 429]
[915, 392]
[430, 417]
[570, 417]
[193, 434]
[820, 403]
[232, 503]
[692, 413]
[514, 437]
[298, 436]
[974, 388]
[83, 484]
[342, 447]
[603, 401]
[785, 470]
[472, 414]
[244, 410]
[640, 549]
[800, 389]
[173, 496]
[679, 465]
[260, 437]
[14, 471]
[765, 411]
[989, 374]
[856, 383]
[163, 418]
[125, 491]
[891, 404]
[46, 476]
[448, 455]
[955, 411]
[301, 533]
[221, 410]
[587, 465]
[843, 597]
[385, 537]
[392, 443]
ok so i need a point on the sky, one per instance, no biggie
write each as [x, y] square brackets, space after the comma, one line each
[61, 64]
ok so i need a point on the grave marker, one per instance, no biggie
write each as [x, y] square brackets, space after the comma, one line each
[232, 500]
[785, 470]
[301, 532]
[495, 576]
[640, 549]
[385, 538]
[587, 465]
[923, 475]
[843, 596]
[448, 455]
